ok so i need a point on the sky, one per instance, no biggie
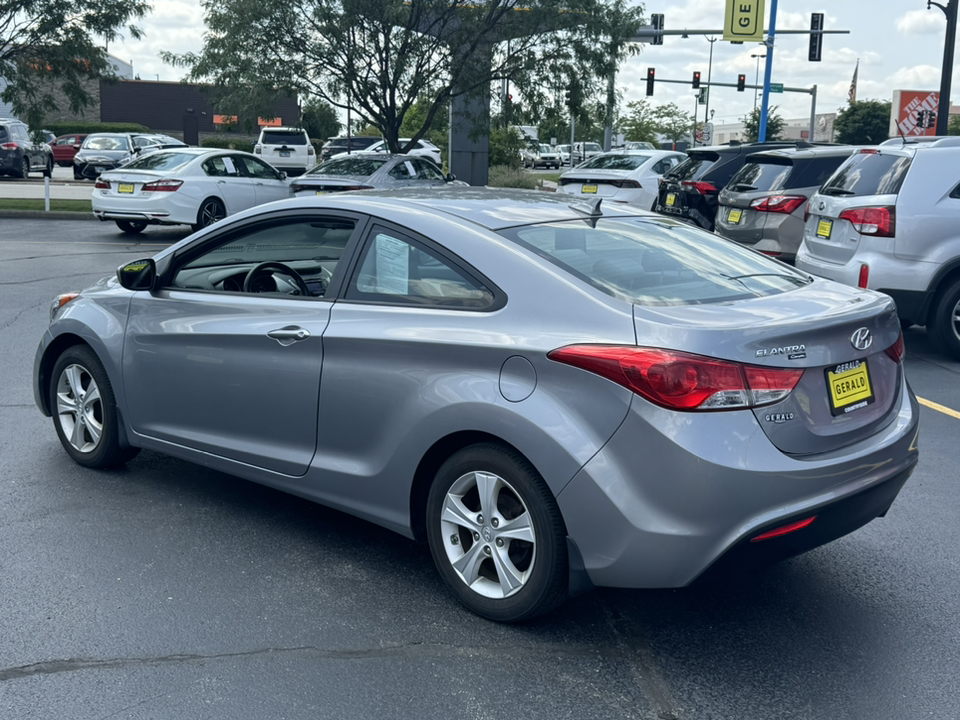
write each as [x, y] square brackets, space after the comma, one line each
[899, 44]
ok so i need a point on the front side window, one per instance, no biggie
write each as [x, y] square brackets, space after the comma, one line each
[425, 170]
[303, 256]
[252, 167]
[397, 269]
[656, 261]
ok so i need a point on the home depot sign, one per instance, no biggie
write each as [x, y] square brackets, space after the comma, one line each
[909, 107]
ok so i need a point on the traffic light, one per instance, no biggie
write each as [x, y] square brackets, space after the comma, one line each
[931, 119]
[573, 96]
[702, 97]
[816, 37]
[741, 83]
[651, 76]
[696, 79]
[657, 21]
[921, 117]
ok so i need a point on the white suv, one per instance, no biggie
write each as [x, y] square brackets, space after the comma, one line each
[287, 149]
[889, 219]
[423, 148]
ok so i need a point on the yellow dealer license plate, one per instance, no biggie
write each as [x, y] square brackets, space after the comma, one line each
[849, 386]
[589, 189]
[824, 228]
[671, 199]
[124, 188]
[734, 217]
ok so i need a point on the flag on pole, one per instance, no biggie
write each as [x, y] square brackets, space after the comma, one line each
[852, 95]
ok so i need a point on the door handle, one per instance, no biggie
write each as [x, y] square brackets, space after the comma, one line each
[289, 334]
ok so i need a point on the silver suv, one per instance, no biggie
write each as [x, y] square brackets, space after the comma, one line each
[287, 149]
[889, 219]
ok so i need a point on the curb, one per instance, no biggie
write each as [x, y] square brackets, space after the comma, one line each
[44, 215]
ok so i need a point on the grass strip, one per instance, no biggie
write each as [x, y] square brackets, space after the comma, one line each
[37, 204]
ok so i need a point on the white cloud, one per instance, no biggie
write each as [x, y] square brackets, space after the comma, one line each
[921, 22]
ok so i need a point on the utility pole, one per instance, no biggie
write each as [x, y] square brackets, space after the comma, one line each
[946, 74]
[765, 104]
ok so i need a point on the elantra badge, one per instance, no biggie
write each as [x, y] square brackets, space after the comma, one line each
[794, 352]
[861, 339]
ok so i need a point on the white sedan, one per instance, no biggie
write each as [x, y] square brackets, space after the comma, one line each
[185, 186]
[625, 177]
[424, 148]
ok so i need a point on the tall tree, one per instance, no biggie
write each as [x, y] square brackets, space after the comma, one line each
[775, 125]
[378, 57]
[319, 119]
[673, 122]
[49, 48]
[863, 122]
[640, 122]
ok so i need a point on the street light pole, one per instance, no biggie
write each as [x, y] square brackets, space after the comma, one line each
[710, 40]
[756, 80]
[946, 74]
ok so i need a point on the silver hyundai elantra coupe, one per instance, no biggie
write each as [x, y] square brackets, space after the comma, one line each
[554, 395]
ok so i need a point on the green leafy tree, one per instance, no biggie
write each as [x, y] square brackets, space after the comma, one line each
[640, 122]
[953, 125]
[672, 122]
[775, 125]
[380, 57]
[320, 120]
[505, 146]
[50, 48]
[863, 122]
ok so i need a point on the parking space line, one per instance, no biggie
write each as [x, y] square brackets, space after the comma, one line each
[939, 408]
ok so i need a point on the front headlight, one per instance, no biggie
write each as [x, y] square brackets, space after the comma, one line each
[59, 301]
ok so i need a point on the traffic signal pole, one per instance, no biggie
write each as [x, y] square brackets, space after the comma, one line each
[946, 74]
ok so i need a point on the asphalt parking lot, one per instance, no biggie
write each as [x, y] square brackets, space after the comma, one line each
[166, 590]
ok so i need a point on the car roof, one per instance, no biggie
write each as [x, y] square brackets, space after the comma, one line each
[808, 152]
[491, 208]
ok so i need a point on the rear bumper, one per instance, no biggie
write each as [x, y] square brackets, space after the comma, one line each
[671, 494]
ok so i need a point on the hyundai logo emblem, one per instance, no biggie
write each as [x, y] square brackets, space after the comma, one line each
[822, 205]
[861, 339]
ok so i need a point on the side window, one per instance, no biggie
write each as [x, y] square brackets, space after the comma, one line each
[398, 270]
[20, 132]
[402, 171]
[303, 256]
[220, 166]
[425, 169]
[254, 168]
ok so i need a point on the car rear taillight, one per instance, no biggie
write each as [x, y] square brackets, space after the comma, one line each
[102, 185]
[864, 277]
[8, 146]
[897, 350]
[310, 150]
[878, 221]
[682, 381]
[256, 149]
[631, 184]
[785, 204]
[165, 185]
[785, 529]
[704, 188]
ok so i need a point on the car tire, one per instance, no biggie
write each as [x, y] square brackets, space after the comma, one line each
[131, 227]
[85, 410]
[945, 320]
[77, 175]
[24, 168]
[48, 170]
[504, 557]
[211, 210]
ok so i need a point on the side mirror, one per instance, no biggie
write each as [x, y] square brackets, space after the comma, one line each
[451, 177]
[283, 174]
[138, 275]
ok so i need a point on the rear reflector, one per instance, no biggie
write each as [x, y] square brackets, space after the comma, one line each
[785, 529]
[864, 276]
[682, 381]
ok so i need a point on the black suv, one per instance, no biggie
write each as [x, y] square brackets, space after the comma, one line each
[19, 154]
[337, 145]
[689, 191]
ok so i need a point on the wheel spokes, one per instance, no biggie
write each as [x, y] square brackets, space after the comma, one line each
[468, 564]
[511, 579]
[518, 529]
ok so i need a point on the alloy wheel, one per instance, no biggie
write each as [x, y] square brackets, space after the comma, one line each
[80, 408]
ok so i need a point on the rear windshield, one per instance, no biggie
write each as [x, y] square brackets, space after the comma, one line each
[656, 261]
[359, 165]
[105, 143]
[615, 162]
[284, 137]
[592, 147]
[160, 161]
[694, 167]
[761, 175]
[868, 174]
